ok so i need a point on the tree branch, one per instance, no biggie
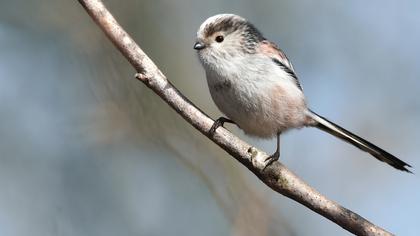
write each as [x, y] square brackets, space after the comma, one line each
[276, 175]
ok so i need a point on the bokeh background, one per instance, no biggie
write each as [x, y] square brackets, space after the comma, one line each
[85, 149]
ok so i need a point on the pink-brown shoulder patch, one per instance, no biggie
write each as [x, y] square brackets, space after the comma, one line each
[271, 49]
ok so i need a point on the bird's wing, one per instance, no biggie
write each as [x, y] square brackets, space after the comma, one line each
[279, 57]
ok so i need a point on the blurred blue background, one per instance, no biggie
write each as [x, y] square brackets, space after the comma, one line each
[88, 150]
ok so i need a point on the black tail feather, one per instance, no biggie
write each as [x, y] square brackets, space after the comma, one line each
[339, 132]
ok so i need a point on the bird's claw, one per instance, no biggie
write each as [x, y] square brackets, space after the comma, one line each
[219, 122]
[272, 158]
[215, 125]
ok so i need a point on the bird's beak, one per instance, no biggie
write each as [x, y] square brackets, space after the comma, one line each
[199, 46]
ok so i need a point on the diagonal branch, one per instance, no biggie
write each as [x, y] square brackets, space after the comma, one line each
[276, 175]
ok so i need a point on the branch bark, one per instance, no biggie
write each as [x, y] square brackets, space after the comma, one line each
[276, 176]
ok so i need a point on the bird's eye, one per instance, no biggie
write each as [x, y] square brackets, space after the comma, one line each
[219, 39]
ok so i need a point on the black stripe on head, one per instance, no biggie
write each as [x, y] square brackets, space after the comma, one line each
[227, 24]
[231, 24]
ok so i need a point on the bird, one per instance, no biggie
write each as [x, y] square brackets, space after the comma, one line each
[254, 84]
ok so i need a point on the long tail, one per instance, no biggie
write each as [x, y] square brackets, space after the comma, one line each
[339, 132]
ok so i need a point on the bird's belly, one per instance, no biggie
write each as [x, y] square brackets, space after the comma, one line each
[261, 110]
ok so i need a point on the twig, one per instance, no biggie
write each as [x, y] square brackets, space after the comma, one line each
[276, 176]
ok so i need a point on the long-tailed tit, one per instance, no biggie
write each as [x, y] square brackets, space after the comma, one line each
[254, 84]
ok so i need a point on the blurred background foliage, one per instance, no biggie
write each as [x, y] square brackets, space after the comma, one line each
[88, 150]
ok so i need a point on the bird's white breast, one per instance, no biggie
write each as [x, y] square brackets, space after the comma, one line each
[257, 95]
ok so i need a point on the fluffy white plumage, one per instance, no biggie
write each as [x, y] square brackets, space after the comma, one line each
[250, 88]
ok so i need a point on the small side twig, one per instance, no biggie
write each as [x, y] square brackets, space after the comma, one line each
[276, 176]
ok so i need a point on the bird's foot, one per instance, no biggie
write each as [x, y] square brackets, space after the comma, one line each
[219, 122]
[272, 158]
